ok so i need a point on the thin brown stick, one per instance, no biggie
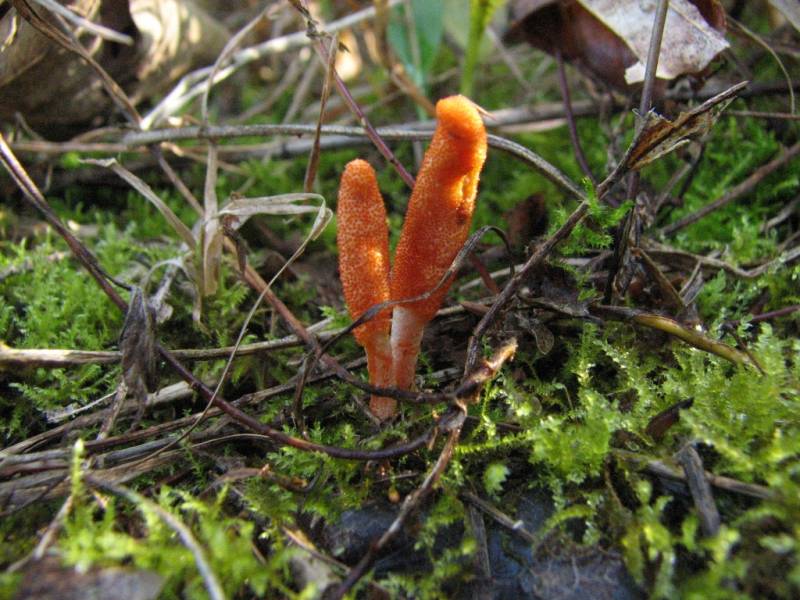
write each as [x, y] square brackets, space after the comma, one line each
[735, 192]
[673, 328]
[664, 469]
[313, 159]
[451, 423]
[316, 35]
[511, 287]
[700, 489]
[767, 316]
[571, 125]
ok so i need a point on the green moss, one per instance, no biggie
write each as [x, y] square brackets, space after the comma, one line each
[577, 413]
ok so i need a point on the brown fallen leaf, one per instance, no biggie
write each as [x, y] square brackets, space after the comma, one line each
[565, 26]
[661, 423]
[137, 344]
[660, 136]
[689, 44]
[610, 38]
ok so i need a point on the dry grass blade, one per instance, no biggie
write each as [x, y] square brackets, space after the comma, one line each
[53, 357]
[79, 21]
[196, 83]
[224, 56]
[282, 204]
[313, 159]
[211, 248]
[145, 190]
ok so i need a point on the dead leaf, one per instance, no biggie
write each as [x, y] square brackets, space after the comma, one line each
[137, 344]
[689, 43]
[565, 26]
[282, 204]
[610, 38]
[659, 136]
[661, 423]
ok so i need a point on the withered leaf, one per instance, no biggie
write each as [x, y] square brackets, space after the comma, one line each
[564, 26]
[610, 38]
[661, 423]
[689, 44]
[137, 344]
[659, 136]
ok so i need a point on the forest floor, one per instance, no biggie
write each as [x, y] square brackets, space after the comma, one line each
[607, 403]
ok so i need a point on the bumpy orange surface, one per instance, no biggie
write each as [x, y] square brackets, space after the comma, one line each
[363, 240]
[440, 210]
[436, 226]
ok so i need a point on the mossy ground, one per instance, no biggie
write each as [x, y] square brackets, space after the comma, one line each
[571, 421]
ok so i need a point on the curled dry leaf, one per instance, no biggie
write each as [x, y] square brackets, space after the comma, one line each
[690, 43]
[658, 136]
[137, 342]
[610, 38]
[566, 27]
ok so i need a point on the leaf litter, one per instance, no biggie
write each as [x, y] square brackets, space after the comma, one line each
[630, 464]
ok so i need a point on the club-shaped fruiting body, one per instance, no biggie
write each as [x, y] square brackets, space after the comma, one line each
[436, 226]
[363, 240]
